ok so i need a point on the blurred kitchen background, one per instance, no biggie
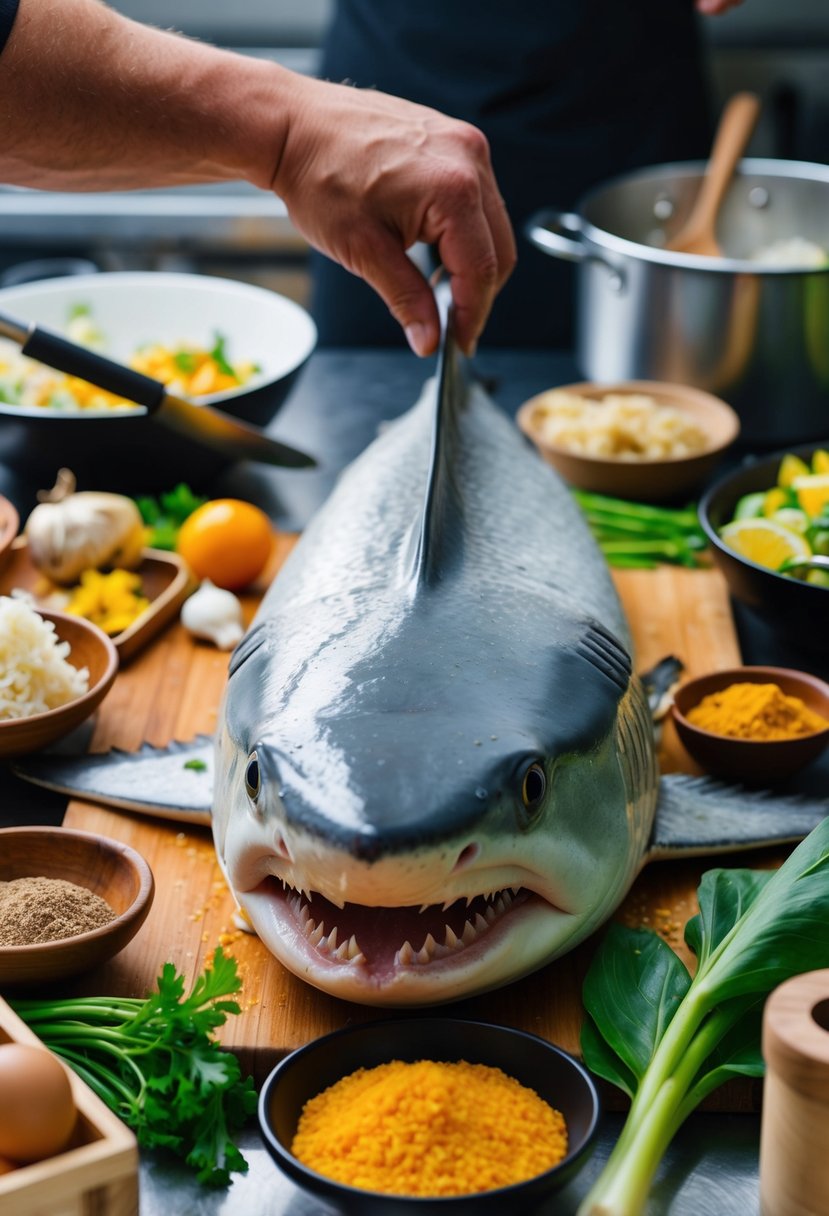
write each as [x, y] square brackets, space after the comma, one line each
[777, 48]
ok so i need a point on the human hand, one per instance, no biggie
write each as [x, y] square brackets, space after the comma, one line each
[365, 175]
[715, 8]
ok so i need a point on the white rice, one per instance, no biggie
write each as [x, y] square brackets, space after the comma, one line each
[34, 673]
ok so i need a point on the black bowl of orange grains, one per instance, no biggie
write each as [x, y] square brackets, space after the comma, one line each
[430, 1115]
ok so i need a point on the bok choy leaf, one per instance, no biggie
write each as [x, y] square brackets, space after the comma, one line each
[669, 1040]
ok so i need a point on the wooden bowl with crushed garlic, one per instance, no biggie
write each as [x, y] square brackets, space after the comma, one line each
[643, 440]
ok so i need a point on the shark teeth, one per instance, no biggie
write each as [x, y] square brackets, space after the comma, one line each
[432, 951]
[496, 904]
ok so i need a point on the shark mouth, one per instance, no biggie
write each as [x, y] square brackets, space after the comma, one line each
[378, 943]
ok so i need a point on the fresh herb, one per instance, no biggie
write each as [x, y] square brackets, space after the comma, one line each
[185, 361]
[198, 766]
[164, 515]
[668, 1040]
[633, 534]
[78, 310]
[156, 1065]
[219, 356]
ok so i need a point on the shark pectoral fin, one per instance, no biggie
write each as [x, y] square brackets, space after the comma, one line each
[659, 683]
[172, 782]
[696, 816]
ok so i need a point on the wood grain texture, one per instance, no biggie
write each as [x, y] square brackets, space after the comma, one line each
[173, 690]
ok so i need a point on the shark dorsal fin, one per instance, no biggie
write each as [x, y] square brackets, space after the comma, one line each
[439, 535]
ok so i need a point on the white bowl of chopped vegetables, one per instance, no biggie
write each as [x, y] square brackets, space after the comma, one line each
[214, 341]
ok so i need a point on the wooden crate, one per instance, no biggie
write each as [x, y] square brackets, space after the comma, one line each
[96, 1176]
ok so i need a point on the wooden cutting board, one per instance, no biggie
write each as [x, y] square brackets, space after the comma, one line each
[172, 691]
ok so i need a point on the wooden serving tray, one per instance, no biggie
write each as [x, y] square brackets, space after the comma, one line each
[166, 581]
[97, 1173]
[173, 690]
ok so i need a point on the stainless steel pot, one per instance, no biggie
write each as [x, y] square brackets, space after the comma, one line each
[758, 336]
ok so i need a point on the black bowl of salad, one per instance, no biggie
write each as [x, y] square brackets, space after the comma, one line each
[767, 522]
[217, 342]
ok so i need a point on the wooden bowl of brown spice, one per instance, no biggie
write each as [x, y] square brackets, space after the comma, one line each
[68, 900]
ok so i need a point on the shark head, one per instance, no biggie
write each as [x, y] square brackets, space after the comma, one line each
[400, 842]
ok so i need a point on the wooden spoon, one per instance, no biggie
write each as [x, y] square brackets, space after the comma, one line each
[697, 234]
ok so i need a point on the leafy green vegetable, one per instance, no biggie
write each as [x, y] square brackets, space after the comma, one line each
[165, 515]
[185, 361]
[219, 356]
[156, 1065]
[198, 766]
[668, 1040]
[633, 534]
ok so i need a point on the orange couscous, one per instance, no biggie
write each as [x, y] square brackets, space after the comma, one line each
[429, 1128]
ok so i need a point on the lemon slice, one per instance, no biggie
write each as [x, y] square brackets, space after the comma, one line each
[812, 492]
[792, 518]
[764, 541]
[820, 461]
[791, 466]
[774, 499]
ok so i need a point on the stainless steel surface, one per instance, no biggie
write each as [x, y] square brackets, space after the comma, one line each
[711, 1169]
[755, 335]
[230, 216]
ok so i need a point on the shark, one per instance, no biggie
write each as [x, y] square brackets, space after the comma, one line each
[435, 768]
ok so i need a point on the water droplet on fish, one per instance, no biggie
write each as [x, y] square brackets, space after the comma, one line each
[380, 763]
[493, 738]
[481, 793]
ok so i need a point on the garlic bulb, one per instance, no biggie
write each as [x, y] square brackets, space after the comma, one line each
[214, 614]
[84, 531]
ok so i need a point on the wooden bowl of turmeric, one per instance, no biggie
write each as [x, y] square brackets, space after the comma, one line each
[433, 1115]
[756, 725]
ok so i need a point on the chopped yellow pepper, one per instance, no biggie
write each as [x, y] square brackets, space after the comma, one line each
[113, 601]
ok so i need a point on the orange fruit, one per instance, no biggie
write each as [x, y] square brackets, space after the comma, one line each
[226, 540]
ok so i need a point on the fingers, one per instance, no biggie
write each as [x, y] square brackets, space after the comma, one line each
[406, 293]
[475, 238]
[714, 8]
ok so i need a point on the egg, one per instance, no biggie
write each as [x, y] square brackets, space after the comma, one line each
[37, 1112]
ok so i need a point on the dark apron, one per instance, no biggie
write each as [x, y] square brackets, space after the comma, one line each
[568, 92]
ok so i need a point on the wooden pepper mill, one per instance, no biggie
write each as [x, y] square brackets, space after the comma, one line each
[794, 1141]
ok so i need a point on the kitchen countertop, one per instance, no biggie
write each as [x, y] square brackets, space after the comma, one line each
[334, 410]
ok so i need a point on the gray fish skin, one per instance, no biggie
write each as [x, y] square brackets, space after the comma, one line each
[445, 623]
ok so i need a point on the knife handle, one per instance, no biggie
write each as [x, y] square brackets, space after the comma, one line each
[66, 356]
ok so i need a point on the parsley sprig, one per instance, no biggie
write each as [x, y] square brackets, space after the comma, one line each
[156, 1065]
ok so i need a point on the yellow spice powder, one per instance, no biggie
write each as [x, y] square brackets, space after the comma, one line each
[429, 1128]
[755, 711]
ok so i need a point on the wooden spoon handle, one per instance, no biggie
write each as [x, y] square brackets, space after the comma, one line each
[738, 121]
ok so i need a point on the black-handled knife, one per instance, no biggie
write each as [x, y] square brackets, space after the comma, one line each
[202, 423]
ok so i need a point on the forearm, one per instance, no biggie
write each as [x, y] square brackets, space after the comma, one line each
[91, 100]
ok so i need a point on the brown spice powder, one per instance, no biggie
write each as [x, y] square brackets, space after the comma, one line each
[36, 909]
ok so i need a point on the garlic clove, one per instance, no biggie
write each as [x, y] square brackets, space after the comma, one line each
[84, 531]
[214, 614]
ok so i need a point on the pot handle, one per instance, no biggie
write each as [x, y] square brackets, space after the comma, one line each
[549, 231]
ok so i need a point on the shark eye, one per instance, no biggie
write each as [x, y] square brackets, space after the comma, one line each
[253, 778]
[533, 787]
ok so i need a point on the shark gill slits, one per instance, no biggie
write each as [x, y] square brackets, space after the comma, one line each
[533, 789]
[253, 777]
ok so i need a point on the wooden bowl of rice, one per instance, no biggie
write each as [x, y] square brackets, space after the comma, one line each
[643, 440]
[44, 693]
